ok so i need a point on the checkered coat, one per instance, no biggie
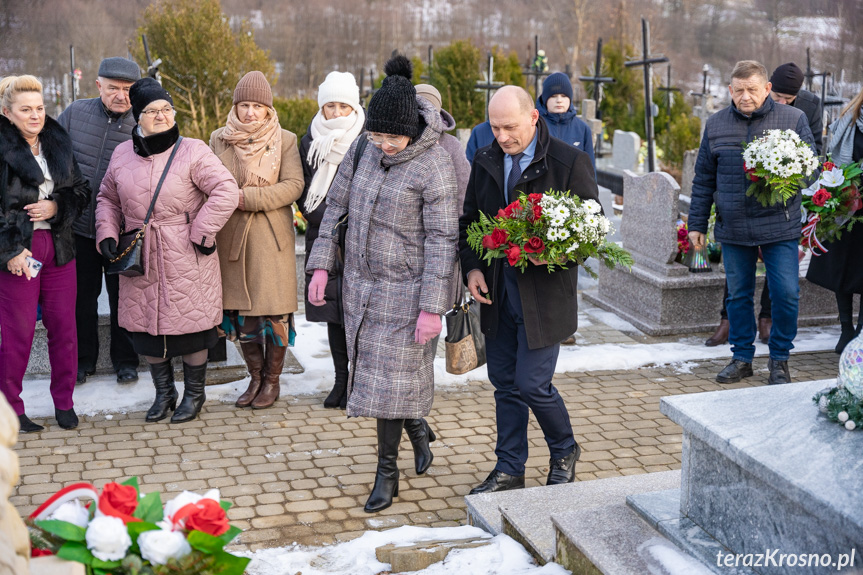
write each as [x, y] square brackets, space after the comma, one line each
[400, 253]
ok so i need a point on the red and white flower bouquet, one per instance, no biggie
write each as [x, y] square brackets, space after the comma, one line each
[124, 532]
[553, 227]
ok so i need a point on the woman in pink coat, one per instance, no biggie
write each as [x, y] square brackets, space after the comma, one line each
[172, 309]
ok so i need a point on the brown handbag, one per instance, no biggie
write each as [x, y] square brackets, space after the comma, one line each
[130, 261]
[464, 342]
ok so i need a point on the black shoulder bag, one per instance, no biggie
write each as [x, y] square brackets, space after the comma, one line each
[341, 227]
[130, 262]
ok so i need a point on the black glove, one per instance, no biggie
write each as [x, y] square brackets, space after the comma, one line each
[108, 247]
[206, 251]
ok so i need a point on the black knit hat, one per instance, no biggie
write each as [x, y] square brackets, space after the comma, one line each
[143, 92]
[393, 109]
[557, 83]
[787, 79]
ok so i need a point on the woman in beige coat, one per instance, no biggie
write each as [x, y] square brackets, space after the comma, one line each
[256, 246]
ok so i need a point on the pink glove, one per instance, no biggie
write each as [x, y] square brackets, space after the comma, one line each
[428, 327]
[317, 287]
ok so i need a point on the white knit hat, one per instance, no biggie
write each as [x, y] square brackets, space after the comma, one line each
[339, 87]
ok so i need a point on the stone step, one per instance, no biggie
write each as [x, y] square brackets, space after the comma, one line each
[614, 540]
[661, 510]
[525, 514]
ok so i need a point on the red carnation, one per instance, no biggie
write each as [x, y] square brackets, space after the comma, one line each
[820, 197]
[829, 166]
[534, 246]
[513, 252]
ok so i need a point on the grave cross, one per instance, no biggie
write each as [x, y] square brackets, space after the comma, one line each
[489, 85]
[428, 75]
[152, 67]
[538, 66]
[647, 61]
[811, 74]
[598, 81]
[703, 95]
[371, 91]
[669, 92]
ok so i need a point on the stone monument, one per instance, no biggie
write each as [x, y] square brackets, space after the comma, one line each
[588, 114]
[659, 296]
[14, 540]
[624, 150]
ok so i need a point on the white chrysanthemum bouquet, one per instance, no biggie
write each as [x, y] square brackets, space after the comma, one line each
[550, 228]
[776, 163]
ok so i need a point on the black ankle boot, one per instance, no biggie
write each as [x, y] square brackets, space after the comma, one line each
[27, 426]
[387, 478]
[338, 393]
[166, 392]
[848, 333]
[194, 380]
[421, 435]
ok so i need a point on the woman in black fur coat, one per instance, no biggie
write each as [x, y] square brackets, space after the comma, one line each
[42, 191]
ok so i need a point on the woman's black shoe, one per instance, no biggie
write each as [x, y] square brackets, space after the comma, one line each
[66, 418]
[848, 333]
[387, 478]
[337, 395]
[194, 379]
[166, 391]
[421, 435]
[28, 426]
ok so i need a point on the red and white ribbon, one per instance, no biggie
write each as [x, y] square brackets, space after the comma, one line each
[811, 238]
[76, 491]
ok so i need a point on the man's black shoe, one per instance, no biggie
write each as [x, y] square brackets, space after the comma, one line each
[498, 481]
[66, 418]
[563, 470]
[735, 371]
[82, 375]
[779, 372]
[127, 374]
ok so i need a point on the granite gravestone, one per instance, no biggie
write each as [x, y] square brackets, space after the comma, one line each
[624, 150]
[659, 296]
[588, 114]
[689, 157]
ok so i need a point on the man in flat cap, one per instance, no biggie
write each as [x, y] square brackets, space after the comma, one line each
[787, 81]
[97, 126]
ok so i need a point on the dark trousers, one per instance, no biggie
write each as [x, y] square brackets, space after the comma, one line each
[54, 289]
[522, 380]
[765, 312]
[90, 269]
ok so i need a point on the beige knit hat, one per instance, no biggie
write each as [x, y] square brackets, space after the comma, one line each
[253, 87]
[430, 93]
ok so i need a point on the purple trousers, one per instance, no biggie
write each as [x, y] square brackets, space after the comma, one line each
[55, 288]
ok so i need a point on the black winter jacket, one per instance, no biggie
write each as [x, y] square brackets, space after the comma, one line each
[549, 300]
[20, 177]
[810, 104]
[720, 177]
[94, 135]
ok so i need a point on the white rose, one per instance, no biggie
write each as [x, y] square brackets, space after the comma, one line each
[185, 498]
[107, 538]
[160, 545]
[72, 512]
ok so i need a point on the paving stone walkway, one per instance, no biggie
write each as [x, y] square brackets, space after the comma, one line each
[299, 473]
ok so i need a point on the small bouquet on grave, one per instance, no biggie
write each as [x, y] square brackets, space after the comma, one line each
[683, 244]
[128, 533]
[553, 227]
[831, 205]
[843, 404]
[776, 163]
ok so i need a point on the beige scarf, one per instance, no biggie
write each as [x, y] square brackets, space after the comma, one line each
[257, 149]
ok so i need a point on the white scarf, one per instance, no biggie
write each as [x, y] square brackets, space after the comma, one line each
[842, 142]
[331, 140]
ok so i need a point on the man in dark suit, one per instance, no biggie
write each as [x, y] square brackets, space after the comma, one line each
[525, 315]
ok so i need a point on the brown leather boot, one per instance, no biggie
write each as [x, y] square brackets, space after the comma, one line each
[721, 335]
[253, 353]
[764, 325]
[274, 361]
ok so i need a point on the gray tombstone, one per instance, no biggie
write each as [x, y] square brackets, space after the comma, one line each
[588, 114]
[689, 157]
[624, 150]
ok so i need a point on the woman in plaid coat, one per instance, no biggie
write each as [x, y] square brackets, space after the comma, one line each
[400, 252]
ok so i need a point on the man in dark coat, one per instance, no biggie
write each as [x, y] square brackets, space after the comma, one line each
[787, 88]
[97, 126]
[743, 225]
[525, 315]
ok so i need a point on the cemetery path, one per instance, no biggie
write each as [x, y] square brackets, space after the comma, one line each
[299, 473]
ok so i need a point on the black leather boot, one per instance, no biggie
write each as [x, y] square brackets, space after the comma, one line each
[734, 372]
[387, 478]
[848, 333]
[338, 397]
[166, 392]
[194, 380]
[420, 434]
[253, 353]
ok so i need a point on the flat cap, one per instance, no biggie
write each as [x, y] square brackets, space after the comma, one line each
[119, 69]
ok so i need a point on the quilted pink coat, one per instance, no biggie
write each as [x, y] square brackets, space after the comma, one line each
[181, 290]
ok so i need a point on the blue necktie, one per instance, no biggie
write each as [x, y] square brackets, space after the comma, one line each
[514, 176]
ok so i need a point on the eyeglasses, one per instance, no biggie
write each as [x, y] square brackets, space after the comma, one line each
[167, 112]
[379, 140]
